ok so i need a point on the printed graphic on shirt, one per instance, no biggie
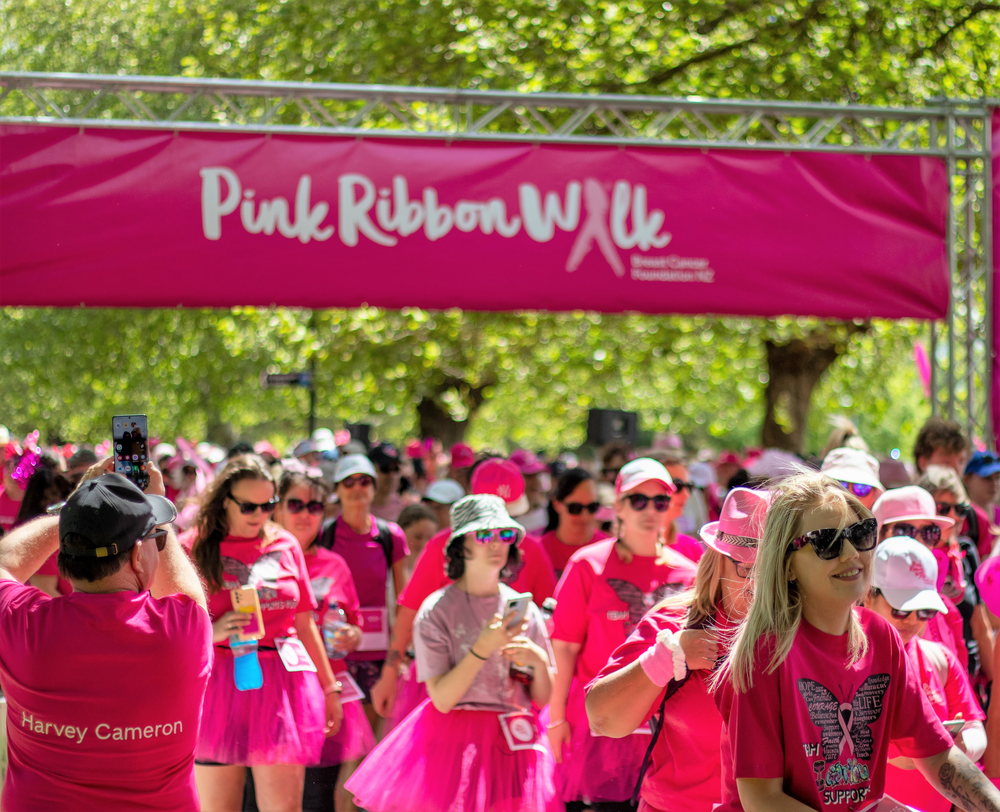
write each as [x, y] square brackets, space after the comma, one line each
[639, 602]
[845, 735]
[320, 587]
[263, 574]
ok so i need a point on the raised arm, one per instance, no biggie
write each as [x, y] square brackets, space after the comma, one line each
[25, 549]
[176, 575]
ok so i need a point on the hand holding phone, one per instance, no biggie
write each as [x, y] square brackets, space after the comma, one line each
[246, 601]
[519, 605]
[953, 726]
[130, 447]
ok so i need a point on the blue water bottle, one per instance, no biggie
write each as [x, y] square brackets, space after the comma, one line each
[246, 667]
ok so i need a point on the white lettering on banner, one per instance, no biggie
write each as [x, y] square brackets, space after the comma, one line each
[621, 221]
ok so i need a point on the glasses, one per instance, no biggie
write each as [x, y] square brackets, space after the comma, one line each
[829, 541]
[160, 537]
[859, 490]
[610, 473]
[639, 501]
[297, 506]
[681, 485]
[357, 479]
[576, 508]
[929, 535]
[742, 569]
[922, 614]
[248, 508]
[944, 508]
[507, 535]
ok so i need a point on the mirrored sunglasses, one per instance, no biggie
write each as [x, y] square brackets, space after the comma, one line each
[297, 506]
[576, 508]
[929, 535]
[247, 508]
[508, 535]
[828, 542]
[639, 501]
[859, 490]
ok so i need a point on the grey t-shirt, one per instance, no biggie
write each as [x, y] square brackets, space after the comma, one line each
[448, 624]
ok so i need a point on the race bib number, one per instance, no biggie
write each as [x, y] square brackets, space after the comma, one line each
[294, 655]
[374, 628]
[350, 691]
[521, 731]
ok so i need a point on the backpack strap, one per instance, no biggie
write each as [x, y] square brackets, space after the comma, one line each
[328, 537]
[656, 725]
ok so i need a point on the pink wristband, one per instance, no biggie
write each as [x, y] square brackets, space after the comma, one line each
[658, 663]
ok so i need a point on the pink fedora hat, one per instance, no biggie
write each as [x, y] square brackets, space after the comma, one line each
[740, 526]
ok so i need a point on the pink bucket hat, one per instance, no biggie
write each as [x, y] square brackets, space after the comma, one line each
[501, 478]
[907, 504]
[740, 526]
[644, 469]
[988, 582]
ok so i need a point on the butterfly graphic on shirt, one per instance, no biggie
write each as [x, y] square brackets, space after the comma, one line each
[320, 586]
[640, 602]
[845, 725]
[263, 574]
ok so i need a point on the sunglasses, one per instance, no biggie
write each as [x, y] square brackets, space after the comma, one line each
[160, 537]
[297, 506]
[859, 490]
[357, 479]
[639, 501]
[922, 614]
[576, 508]
[829, 541]
[508, 535]
[610, 473]
[929, 535]
[742, 569]
[681, 485]
[944, 508]
[247, 508]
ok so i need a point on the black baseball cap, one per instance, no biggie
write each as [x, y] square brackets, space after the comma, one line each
[113, 514]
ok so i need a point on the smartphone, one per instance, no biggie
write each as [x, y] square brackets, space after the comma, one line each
[245, 601]
[130, 438]
[953, 726]
[519, 604]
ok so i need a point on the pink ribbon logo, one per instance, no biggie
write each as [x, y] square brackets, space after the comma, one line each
[845, 717]
[595, 229]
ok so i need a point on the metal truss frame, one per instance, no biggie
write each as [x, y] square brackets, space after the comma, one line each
[957, 131]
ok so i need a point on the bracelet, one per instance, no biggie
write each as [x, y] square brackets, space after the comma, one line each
[473, 653]
[334, 688]
[554, 725]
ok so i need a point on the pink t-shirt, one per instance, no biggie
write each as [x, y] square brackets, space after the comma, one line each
[366, 560]
[948, 698]
[689, 547]
[104, 696]
[824, 726]
[601, 599]
[50, 568]
[331, 581]
[559, 553]
[946, 629]
[8, 511]
[534, 574]
[685, 770]
[278, 570]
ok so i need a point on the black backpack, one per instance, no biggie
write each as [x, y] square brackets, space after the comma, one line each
[327, 537]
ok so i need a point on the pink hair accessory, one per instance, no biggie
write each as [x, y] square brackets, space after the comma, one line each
[28, 458]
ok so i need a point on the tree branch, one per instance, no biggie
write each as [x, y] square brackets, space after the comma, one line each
[938, 45]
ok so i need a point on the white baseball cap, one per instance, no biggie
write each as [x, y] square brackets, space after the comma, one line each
[644, 469]
[354, 464]
[852, 465]
[906, 573]
[444, 492]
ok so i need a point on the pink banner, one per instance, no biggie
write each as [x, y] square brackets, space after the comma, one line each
[159, 219]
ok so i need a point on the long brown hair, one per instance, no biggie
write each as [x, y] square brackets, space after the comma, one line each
[211, 520]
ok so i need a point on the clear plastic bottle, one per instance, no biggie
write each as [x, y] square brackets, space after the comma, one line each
[548, 609]
[334, 619]
[246, 667]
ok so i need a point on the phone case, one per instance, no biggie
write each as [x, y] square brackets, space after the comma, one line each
[524, 600]
[130, 435]
[246, 601]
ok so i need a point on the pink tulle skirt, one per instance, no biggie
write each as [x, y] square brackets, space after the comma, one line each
[353, 741]
[453, 762]
[279, 723]
[409, 695]
[597, 768]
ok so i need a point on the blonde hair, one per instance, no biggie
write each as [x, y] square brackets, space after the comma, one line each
[776, 610]
[942, 478]
[843, 434]
[700, 601]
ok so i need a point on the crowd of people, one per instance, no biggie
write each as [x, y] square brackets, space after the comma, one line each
[427, 630]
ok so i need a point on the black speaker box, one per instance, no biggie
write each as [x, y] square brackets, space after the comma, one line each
[605, 425]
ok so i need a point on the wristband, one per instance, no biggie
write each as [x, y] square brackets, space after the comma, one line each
[554, 725]
[473, 653]
[334, 688]
[664, 660]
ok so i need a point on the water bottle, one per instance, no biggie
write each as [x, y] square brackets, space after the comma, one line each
[333, 621]
[246, 667]
[548, 609]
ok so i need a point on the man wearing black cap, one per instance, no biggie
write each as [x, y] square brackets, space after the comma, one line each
[104, 686]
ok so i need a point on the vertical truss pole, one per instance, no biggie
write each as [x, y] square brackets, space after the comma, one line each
[952, 260]
[934, 368]
[971, 367]
[986, 237]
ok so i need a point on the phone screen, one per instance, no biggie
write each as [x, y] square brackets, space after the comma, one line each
[130, 438]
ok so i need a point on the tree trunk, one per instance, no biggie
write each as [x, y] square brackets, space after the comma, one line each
[435, 418]
[793, 371]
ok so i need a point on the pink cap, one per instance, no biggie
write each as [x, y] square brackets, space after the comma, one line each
[906, 572]
[907, 504]
[462, 456]
[988, 582]
[501, 478]
[527, 462]
[634, 473]
[264, 447]
[740, 528]
[729, 458]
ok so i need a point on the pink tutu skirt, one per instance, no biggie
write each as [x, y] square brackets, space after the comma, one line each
[409, 695]
[353, 741]
[597, 768]
[279, 723]
[453, 762]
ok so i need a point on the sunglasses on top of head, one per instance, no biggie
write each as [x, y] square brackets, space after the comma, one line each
[829, 541]
[507, 535]
[859, 490]
[247, 508]
[639, 501]
[929, 535]
[314, 507]
[576, 508]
